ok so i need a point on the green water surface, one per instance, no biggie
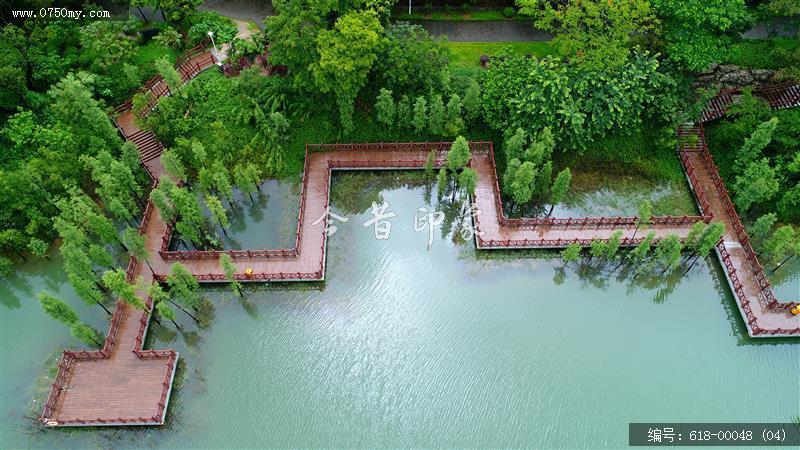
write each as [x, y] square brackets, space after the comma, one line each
[408, 347]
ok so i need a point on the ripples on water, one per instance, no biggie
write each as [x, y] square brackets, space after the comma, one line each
[408, 347]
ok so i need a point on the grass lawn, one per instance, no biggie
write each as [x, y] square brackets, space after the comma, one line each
[146, 54]
[467, 54]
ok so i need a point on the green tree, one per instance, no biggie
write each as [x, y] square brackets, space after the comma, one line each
[598, 248]
[108, 41]
[246, 177]
[668, 252]
[404, 112]
[86, 334]
[706, 242]
[454, 123]
[160, 299]
[57, 309]
[169, 74]
[38, 247]
[420, 119]
[441, 181]
[74, 106]
[758, 183]
[436, 115]
[698, 32]
[614, 242]
[751, 150]
[385, 108]
[645, 213]
[135, 243]
[780, 243]
[459, 154]
[762, 226]
[639, 253]
[184, 286]
[468, 179]
[597, 34]
[346, 56]
[229, 268]
[218, 212]
[472, 101]
[117, 282]
[222, 181]
[543, 180]
[522, 178]
[412, 61]
[560, 188]
[571, 253]
[173, 165]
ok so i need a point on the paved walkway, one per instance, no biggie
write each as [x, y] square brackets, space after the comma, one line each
[485, 30]
[252, 10]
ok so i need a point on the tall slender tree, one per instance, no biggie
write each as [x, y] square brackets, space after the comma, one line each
[229, 268]
[184, 286]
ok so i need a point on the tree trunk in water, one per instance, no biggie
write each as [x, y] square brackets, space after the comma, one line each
[184, 310]
[782, 263]
[551, 209]
[691, 265]
[104, 307]
[250, 194]
[223, 228]
[176, 324]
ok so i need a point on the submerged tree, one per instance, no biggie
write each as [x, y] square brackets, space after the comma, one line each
[560, 188]
[571, 253]
[184, 286]
[645, 210]
[117, 282]
[160, 299]
[62, 312]
[229, 268]
[135, 243]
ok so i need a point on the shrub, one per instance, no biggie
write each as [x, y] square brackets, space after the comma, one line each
[509, 12]
[168, 37]
[223, 28]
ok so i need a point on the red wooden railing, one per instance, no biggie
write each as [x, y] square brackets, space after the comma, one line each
[188, 65]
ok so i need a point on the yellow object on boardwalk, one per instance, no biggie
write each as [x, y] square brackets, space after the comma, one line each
[795, 310]
[248, 272]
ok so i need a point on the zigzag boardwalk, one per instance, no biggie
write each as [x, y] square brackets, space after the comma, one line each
[125, 385]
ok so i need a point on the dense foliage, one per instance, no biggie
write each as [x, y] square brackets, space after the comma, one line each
[758, 148]
[698, 32]
[594, 33]
[580, 105]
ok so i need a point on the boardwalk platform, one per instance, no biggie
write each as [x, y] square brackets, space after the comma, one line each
[122, 384]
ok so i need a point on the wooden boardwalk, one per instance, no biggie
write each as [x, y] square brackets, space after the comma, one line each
[125, 385]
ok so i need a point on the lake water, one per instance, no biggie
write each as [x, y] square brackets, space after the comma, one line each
[405, 346]
[593, 194]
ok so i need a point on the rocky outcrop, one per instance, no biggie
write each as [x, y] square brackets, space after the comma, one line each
[725, 76]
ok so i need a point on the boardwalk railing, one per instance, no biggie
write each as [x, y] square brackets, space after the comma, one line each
[766, 292]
